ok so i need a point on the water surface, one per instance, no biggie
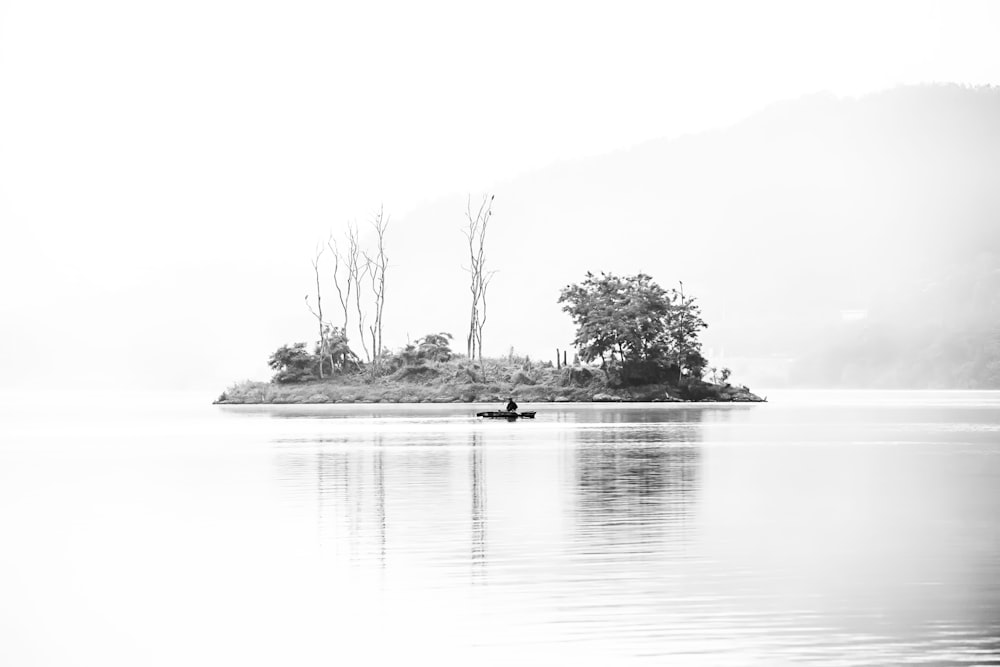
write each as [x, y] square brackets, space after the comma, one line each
[823, 528]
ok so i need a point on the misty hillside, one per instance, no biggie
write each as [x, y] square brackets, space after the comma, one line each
[832, 242]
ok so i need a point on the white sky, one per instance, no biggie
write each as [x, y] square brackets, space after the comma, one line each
[144, 137]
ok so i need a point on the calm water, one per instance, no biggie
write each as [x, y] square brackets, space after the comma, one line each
[823, 528]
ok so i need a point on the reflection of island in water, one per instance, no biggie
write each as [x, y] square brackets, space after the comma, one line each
[376, 502]
[637, 480]
[612, 480]
[670, 524]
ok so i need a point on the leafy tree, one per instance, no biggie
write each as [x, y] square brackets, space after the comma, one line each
[435, 347]
[293, 363]
[639, 331]
[617, 318]
[335, 351]
[683, 324]
[432, 347]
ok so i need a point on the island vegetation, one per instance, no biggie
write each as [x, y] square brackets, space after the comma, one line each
[635, 341]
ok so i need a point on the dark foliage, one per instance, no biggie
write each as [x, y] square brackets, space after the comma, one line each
[432, 347]
[293, 363]
[335, 352]
[642, 333]
[576, 376]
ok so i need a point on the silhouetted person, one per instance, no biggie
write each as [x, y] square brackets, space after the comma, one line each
[511, 405]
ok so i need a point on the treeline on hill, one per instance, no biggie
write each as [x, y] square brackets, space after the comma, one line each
[789, 222]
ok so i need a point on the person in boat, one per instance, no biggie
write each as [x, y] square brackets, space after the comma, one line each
[511, 405]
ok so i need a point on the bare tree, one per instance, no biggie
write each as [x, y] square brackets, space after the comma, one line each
[344, 263]
[375, 267]
[355, 273]
[475, 233]
[353, 270]
[318, 314]
[343, 292]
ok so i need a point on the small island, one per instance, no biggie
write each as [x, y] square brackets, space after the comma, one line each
[458, 381]
[635, 342]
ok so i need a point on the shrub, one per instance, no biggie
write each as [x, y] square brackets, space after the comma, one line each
[293, 364]
[419, 373]
[520, 377]
[248, 391]
[576, 376]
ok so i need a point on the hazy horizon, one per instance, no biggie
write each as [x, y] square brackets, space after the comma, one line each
[166, 174]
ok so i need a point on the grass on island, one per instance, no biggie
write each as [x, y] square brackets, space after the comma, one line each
[458, 381]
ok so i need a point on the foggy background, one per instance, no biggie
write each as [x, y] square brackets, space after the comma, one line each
[823, 177]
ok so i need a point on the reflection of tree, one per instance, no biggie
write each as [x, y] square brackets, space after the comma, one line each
[349, 494]
[361, 495]
[637, 484]
[379, 482]
[478, 493]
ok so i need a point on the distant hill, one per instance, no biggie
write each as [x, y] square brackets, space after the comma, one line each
[856, 239]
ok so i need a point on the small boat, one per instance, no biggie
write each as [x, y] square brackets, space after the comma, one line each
[506, 414]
